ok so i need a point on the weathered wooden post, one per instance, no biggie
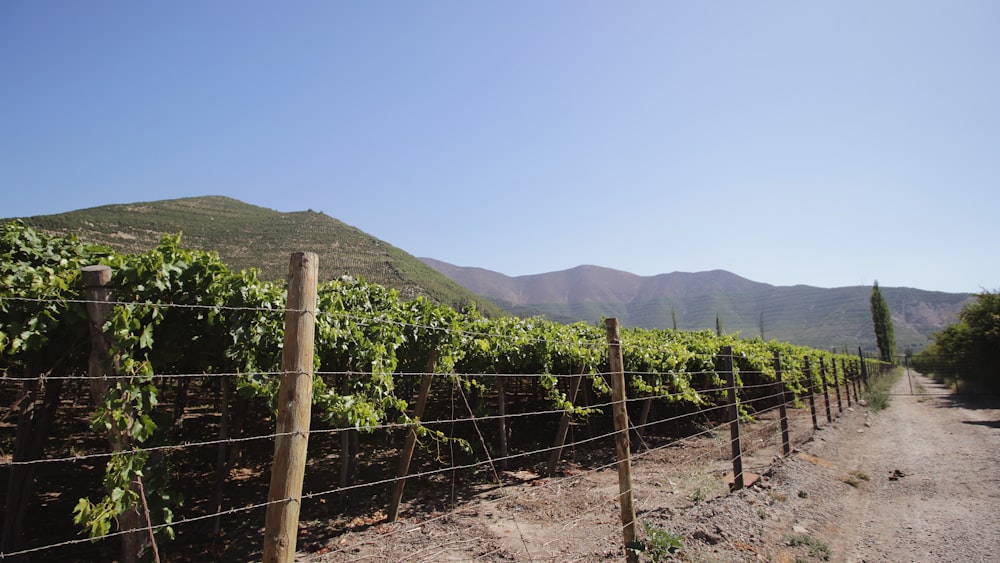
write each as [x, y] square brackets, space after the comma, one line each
[847, 380]
[856, 379]
[906, 365]
[564, 421]
[826, 390]
[294, 409]
[734, 416]
[502, 421]
[622, 451]
[411, 439]
[812, 391]
[836, 386]
[97, 288]
[647, 407]
[786, 444]
[864, 368]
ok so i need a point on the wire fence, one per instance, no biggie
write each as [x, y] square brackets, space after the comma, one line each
[483, 485]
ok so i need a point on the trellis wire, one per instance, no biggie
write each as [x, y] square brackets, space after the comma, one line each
[453, 468]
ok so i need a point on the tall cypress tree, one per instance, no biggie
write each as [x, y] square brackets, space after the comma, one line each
[885, 337]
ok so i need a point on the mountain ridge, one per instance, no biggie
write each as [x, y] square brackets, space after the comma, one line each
[249, 236]
[801, 314]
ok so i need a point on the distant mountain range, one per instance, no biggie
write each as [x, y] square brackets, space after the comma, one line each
[812, 316]
[247, 236]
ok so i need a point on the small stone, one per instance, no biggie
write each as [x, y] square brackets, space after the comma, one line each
[800, 529]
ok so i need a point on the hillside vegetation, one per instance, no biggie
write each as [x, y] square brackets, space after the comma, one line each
[247, 236]
[187, 335]
[810, 316]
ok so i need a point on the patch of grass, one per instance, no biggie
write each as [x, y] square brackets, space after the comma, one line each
[878, 393]
[816, 547]
[803, 494]
[699, 495]
[247, 236]
[922, 391]
[660, 544]
[877, 399]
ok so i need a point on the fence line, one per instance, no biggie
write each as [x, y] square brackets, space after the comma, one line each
[491, 461]
[373, 319]
[366, 428]
[453, 468]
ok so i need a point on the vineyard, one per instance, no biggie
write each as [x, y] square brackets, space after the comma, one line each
[143, 401]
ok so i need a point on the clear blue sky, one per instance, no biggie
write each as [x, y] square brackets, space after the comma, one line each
[822, 143]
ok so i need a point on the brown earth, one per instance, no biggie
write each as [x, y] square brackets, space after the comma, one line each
[915, 482]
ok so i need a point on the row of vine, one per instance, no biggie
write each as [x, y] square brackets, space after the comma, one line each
[182, 311]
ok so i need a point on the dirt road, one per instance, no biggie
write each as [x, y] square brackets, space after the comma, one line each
[943, 504]
[920, 481]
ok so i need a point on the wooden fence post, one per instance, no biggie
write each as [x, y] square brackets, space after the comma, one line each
[647, 407]
[622, 451]
[564, 421]
[786, 445]
[826, 390]
[294, 410]
[856, 380]
[812, 390]
[847, 380]
[864, 368]
[411, 439]
[734, 416]
[97, 288]
[836, 386]
[502, 421]
[906, 365]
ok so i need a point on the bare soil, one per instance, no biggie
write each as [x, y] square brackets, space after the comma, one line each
[918, 481]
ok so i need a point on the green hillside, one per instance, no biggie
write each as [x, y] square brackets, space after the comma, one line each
[246, 236]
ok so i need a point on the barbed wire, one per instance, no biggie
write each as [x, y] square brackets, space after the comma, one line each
[375, 318]
[364, 428]
[491, 462]
[110, 377]
[380, 483]
[550, 483]
[113, 302]
[347, 373]
[148, 528]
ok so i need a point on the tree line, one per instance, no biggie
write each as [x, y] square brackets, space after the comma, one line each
[967, 351]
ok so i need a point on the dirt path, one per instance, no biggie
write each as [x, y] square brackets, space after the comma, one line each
[942, 505]
[926, 481]
[919, 481]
